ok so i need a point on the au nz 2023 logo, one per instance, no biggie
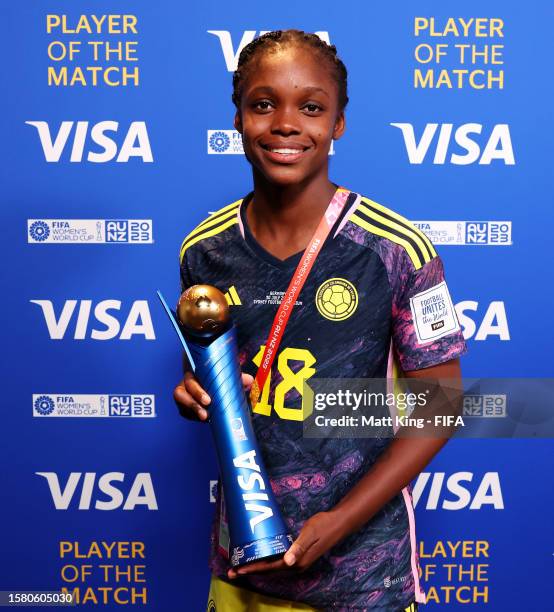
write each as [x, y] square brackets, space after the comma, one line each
[93, 405]
[481, 233]
[89, 231]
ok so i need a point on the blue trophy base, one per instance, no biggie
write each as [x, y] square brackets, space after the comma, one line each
[260, 549]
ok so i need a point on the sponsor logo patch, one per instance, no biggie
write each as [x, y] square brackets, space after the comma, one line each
[433, 314]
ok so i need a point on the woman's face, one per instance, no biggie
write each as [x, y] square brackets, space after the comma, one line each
[289, 115]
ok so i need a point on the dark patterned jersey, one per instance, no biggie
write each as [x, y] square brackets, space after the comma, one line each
[375, 295]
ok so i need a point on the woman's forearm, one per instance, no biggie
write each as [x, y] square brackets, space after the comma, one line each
[400, 463]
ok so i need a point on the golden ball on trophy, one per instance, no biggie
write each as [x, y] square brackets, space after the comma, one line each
[203, 310]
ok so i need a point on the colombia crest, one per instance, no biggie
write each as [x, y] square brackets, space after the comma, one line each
[336, 299]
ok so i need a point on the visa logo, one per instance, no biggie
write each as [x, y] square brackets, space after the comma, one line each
[493, 323]
[231, 54]
[254, 482]
[135, 143]
[141, 492]
[107, 312]
[497, 144]
[460, 491]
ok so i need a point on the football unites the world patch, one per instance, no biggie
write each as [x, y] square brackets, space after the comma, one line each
[336, 299]
[433, 314]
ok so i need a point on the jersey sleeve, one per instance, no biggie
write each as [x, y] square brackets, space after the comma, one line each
[425, 327]
[185, 273]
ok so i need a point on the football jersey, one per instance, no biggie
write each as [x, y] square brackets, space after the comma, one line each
[366, 303]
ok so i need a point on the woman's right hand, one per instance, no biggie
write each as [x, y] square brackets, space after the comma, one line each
[192, 400]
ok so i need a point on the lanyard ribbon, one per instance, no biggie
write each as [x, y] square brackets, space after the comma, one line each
[288, 301]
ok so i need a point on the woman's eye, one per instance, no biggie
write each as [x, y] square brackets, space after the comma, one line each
[313, 108]
[262, 105]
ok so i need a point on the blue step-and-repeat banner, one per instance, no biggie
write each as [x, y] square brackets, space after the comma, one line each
[117, 140]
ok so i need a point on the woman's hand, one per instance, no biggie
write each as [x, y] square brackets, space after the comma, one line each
[191, 399]
[319, 533]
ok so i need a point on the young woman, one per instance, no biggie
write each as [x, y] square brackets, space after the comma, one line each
[345, 500]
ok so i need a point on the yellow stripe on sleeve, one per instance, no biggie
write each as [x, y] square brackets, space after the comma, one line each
[219, 212]
[391, 213]
[208, 234]
[209, 222]
[392, 237]
[398, 228]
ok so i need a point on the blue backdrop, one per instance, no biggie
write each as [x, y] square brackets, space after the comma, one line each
[94, 215]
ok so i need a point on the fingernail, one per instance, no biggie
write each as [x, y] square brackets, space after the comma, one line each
[203, 414]
[205, 399]
[290, 559]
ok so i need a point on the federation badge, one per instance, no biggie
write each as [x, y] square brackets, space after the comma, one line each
[336, 299]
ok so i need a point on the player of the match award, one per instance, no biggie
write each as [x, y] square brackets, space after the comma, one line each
[204, 326]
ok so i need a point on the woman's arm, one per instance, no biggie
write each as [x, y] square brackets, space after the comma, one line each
[399, 464]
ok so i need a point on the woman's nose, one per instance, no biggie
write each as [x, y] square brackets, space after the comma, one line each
[285, 121]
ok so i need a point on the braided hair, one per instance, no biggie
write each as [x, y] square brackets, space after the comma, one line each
[273, 41]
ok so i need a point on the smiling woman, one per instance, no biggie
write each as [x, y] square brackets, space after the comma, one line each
[344, 500]
[290, 90]
[290, 101]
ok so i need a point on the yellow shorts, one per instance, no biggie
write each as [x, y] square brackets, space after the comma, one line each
[225, 597]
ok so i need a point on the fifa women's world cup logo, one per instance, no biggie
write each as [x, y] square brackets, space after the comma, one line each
[203, 323]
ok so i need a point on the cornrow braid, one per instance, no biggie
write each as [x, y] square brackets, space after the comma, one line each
[272, 41]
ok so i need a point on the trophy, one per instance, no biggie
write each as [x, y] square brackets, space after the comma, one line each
[256, 528]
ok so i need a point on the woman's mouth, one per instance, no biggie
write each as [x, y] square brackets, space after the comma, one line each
[284, 154]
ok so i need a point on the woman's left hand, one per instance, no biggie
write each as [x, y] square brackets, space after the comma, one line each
[319, 533]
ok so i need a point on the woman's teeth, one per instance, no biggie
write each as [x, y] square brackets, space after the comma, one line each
[286, 151]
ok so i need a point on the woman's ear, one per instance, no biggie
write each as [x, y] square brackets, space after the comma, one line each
[340, 126]
[238, 122]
